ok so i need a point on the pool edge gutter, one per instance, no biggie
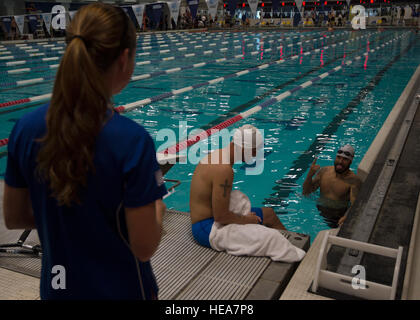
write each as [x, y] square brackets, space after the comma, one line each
[365, 166]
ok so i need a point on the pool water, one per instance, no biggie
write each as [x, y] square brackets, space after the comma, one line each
[347, 107]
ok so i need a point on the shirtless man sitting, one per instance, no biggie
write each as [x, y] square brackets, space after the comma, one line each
[338, 185]
[211, 186]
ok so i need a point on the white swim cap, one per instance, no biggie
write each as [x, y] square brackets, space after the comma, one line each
[346, 151]
[248, 137]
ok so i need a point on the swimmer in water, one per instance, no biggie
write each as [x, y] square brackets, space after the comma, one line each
[338, 184]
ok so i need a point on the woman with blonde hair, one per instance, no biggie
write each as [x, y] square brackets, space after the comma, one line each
[86, 177]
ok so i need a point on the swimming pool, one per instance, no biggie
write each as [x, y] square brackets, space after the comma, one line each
[347, 106]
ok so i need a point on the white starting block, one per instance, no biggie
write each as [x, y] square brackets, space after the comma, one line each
[343, 283]
[166, 161]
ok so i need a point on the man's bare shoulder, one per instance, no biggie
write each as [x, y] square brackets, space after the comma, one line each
[220, 168]
[327, 169]
[354, 179]
[214, 168]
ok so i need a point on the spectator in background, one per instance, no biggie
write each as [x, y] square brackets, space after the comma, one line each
[402, 13]
[165, 22]
[145, 22]
[340, 20]
[2, 34]
[13, 29]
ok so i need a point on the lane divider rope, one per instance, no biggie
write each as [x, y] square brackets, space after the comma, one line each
[243, 115]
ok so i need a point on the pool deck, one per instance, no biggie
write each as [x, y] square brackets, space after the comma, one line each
[184, 270]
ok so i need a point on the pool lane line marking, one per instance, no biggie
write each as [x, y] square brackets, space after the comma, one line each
[47, 96]
[252, 39]
[24, 70]
[218, 37]
[43, 97]
[52, 58]
[143, 102]
[243, 115]
[27, 82]
[20, 62]
[35, 48]
[34, 99]
[201, 64]
[187, 37]
[28, 49]
[306, 158]
[31, 69]
[38, 43]
[237, 74]
[183, 68]
[241, 107]
[173, 92]
[272, 90]
[144, 76]
[150, 47]
[223, 41]
[4, 141]
[235, 47]
[28, 53]
[31, 48]
[169, 37]
[188, 55]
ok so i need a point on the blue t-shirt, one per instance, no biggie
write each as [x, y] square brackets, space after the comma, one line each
[87, 239]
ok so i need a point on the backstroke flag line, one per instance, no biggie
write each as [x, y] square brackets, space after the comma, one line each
[138, 10]
[174, 9]
[193, 5]
[299, 4]
[212, 5]
[47, 20]
[71, 14]
[253, 4]
[20, 22]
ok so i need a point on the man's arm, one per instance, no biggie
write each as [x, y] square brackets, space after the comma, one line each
[354, 191]
[17, 208]
[310, 185]
[221, 188]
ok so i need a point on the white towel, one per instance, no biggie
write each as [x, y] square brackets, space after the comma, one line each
[251, 239]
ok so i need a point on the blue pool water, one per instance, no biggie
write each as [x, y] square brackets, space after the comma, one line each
[348, 106]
